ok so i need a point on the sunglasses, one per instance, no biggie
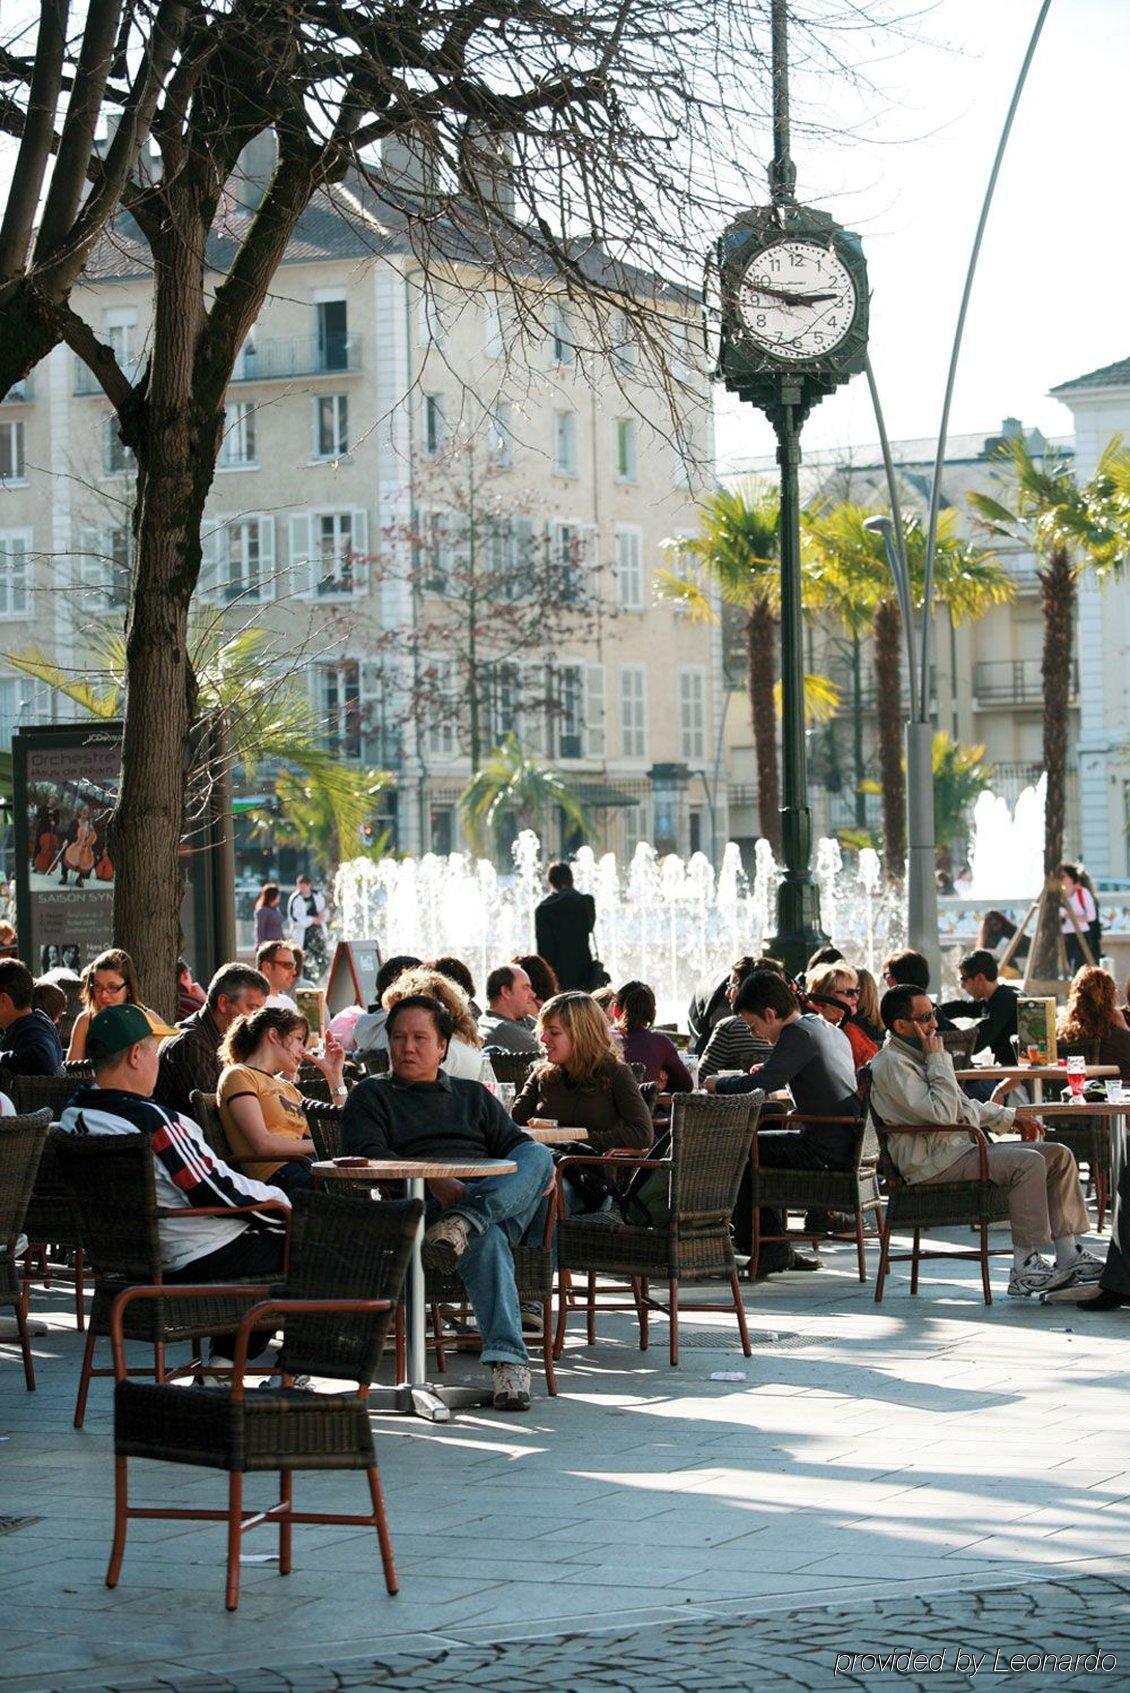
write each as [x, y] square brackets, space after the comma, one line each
[925, 1017]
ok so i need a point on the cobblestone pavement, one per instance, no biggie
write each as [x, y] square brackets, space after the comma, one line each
[941, 1474]
[1066, 1634]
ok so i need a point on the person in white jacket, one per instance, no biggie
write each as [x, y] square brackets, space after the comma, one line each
[913, 1082]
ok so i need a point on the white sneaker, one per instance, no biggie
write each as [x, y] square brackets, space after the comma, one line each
[1034, 1276]
[510, 1387]
[1087, 1267]
[1084, 1271]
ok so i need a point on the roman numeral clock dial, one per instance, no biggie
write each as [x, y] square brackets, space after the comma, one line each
[796, 301]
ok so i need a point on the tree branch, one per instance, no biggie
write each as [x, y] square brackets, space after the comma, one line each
[68, 179]
[35, 143]
[101, 361]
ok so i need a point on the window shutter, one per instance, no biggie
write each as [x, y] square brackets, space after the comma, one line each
[213, 548]
[534, 690]
[360, 548]
[594, 711]
[266, 558]
[301, 564]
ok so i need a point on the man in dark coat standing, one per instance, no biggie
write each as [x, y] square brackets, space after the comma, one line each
[563, 923]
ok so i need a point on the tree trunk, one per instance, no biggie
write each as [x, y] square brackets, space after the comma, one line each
[889, 716]
[30, 330]
[176, 457]
[761, 647]
[1057, 590]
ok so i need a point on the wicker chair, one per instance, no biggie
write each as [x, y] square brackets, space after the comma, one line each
[313, 1084]
[511, 1067]
[374, 1063]
[206, 1114]
[51, 1223]
[932, 1205]
[36, 1093]
[959, 1044]
[853, 1191]
[22, 1140]
[710, 1143]
[80, 1070]
[347, 1267]
[114, 1189]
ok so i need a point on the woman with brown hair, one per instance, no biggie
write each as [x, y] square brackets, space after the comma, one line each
[263, 1113]
[268, 914]
[464, 1049]
[1092, 1014]
[541, 974]
[581, 1083]
[110, 980]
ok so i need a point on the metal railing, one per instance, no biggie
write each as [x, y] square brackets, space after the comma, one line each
[271, 360]
[1013, 681]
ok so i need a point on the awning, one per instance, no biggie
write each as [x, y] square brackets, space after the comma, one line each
[598, 796]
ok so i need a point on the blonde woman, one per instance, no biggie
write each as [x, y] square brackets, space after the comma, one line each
[833, 991]
[464, 1050]
[110, 980]
[581, 1082]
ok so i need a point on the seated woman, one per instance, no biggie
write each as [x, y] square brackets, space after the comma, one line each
[732, 1044]
[110, 980]
[263, 1113]
[833, 991]
[634, 1012]
[464, 1050]
[581, 1083]
[1092, 1014]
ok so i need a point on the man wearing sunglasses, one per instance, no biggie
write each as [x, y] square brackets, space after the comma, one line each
[913, 1082]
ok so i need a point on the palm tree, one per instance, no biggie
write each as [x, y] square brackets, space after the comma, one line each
[847, 574]
[509, 780]
[247, 710]
[737, 545]
[960, 774]
[1070, 527]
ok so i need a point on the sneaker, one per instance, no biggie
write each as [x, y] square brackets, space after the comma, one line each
[510, 1387]
[1033, 1277]
[210, 1378]
[1087, 1267]
[531, 1317]
[444, 1244]
[1084, 1272]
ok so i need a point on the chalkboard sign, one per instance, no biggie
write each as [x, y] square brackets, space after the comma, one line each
[353, 975]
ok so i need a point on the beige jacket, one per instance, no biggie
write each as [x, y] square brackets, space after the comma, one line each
[909, 1087]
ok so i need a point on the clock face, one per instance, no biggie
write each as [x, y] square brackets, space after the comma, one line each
[796, 300]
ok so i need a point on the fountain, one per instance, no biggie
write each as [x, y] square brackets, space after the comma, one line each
[666, 921]
[1007, 857]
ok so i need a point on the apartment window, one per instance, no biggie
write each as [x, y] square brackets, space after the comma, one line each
[119, 332]
[572, 555]
[327, 553]
[239, 559]
[117, 459]
[434, 423]
[625, 350]
[695, 823]
[492, 327]
[578, 710]
[12, 465]
[438, 679]
[442, 830]
[629, 568]
[501, 437]
[105, 567]
[692, 712]
[499, 683]
[444, 549]
[331, 426]
[565, 443]
[238, 447]
[15, 573]
[350, 699]
[564, 348]
[625, 449]
[333, 334]
[633, 711]
[509, 554]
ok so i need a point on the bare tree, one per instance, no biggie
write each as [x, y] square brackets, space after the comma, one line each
[563, 148]
[103, 74]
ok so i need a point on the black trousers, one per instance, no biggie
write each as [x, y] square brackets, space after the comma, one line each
[253, 1253]
[777, 1149]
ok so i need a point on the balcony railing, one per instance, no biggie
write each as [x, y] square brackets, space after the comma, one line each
[1013, 681]
[22, 390]
[274, 360]
[87, 383]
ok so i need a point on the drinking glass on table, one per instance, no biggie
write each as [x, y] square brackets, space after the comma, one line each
[1076, 1076]
[1114, 1093]
[507, 1093]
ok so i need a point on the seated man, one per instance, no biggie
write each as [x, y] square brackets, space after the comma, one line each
[910, 969]
[191, 1059]
[913, 1081]
[418, 1112]
[276, 960]
[812, 1058]
[510, 998]
[193, 1249]
[29, 1042]
[978, 973]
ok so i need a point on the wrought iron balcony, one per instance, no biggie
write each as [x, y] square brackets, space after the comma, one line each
[1013, 681]
[277, 359]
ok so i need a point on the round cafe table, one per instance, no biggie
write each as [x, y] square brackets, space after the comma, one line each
[416, 1397]
[1110, 1111]
[557, 1135]
[1017, 1075]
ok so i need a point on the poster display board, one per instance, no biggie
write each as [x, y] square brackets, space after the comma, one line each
[352, 979]
[65, 780]
[1035, 1028]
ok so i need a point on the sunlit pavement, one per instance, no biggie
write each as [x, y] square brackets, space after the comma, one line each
[923, 1477]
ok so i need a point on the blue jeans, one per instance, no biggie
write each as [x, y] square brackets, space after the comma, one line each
[500, 1211]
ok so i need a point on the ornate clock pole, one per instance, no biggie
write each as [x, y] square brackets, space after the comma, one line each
[792, 312]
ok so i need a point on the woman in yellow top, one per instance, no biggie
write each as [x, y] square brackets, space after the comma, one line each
[262, 1111]
[110, 980]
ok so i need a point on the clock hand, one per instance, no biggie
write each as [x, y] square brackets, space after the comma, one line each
[790, 299]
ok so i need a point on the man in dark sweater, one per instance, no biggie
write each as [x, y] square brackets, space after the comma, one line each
[997, 1025]
[812, 1058]
[190, 1059]
[418, 1112]
[29, 1043]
